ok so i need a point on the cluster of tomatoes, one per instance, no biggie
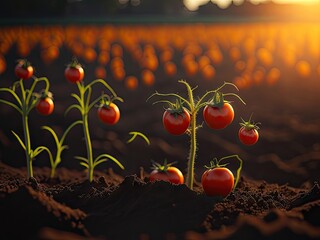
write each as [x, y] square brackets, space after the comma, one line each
[217, 180]
[108, 112]
[45, 105]
[177, 121]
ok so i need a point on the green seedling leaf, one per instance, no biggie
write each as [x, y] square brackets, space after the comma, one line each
[104, 157]
[11, 105]
[40, 149]
[19, 139]
[135, 134]
[84, 164]
[82, 159]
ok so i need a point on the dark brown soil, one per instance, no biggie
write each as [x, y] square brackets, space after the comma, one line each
[278, 196]
[112, 207]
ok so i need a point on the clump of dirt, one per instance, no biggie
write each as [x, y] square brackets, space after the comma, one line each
[113, 207]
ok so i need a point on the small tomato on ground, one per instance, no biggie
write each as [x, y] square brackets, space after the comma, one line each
[218, 181]
[109, 113]
[166, 173]
[23, 69]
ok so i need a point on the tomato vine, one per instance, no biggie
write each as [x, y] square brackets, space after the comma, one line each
[193, 106]
[84, 105]
[24, 102]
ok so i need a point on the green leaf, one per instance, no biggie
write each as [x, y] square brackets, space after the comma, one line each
[12, 93]
[107, 156]
[77, 98]
[82, 159]
[96, 163]
[40, 149]
[73, 106]
[19, 139]
[135, 134]
[11, 105]
[53, 133]
[84, 164]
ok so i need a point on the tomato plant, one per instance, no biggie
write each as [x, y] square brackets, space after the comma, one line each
[248, 132]
[176, 120]
[218, 180]
[215, 97]
[24, 102]
[74, 72]
[45, 104]
[23, 69]
[109, 113]
[166, 172]
[84, 105]
[218, 114]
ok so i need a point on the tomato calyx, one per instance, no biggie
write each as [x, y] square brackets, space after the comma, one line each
[162, 168]
[215, 163]
[74, 63]
[43, 94]
[24, 63]
[217, 100]
[106, 100]
[249, 125]
[176, 108]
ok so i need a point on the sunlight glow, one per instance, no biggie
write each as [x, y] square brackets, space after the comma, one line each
[193, 5]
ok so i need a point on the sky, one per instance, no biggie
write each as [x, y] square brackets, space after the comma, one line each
[194, 4]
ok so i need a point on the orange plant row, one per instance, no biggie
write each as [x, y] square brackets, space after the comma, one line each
[253, 53]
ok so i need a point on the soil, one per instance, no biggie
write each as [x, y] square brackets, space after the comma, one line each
[113, 207]
[277, 197]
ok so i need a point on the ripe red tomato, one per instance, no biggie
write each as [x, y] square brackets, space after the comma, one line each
[248, 136]
[23, 70]
[45, 106]
[109, 114]
[176, 123]
[74, 73]
[218, 181]
[218, 118]
[171, 174]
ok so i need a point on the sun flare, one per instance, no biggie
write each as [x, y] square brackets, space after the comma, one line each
[193, 5]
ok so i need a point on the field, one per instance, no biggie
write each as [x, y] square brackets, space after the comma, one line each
[276, 67]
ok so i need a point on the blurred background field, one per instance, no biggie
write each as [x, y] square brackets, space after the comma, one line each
[273, 58]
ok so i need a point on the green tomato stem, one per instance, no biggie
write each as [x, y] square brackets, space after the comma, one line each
[192, 153]
[88, 145]
[193, 137]
[238, 170]
[27, 145]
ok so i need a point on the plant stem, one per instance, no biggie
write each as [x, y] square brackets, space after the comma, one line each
[192, 153]
[88, 145]
[27, 145]
[53, 169]
[193, 140]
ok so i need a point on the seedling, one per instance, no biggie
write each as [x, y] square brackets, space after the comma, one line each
[24, 102]
[74, 74]
[181, 116]
[60, 147]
